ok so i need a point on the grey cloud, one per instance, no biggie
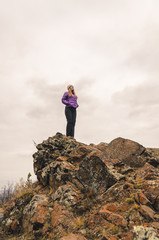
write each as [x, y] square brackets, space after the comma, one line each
[46, 100]
[145, 94]
[145, 53]
[140, 107]
[131, 113]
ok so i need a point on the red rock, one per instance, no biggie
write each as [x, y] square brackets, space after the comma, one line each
[60, 216]
[101, 146]
[73, 237]
[127, 236]
[147, 212]
[131, 224]
[126, 151]
[135, 217]
[109, 237]
[113, 207]
[124, 207]
[36, 212]
[147, 172]
[141, 198]
[41, 213]
[114, 218]
[151, 190]
[152, 224]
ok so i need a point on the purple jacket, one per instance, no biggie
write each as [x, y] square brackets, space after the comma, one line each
[69, 101]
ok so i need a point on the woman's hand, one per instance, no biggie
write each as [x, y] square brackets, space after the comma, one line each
[74, 93]
[71, 91]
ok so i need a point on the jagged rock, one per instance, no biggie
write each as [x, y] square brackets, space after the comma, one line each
[73, 237]
[109, 237]
[13, 216]
[101, 146]
[126, 170]
[36, 213]
[50, 149]
[153, 161]
[135, 218]
[112, 207]
[118, 192]
[129, 152]
[142, 233]
[126, 236]
[61, 216]
[155, 225]
[113, 172]
[156, 204]
[153, 156]
[68, 195]
[94, 174]
[147, 212]
[151, 190]
[115, 218]
[1, 214]
[141, 198]
[55, 174]
[61, 160]
[147, 172]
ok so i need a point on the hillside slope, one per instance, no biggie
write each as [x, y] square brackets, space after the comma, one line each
[87, 192]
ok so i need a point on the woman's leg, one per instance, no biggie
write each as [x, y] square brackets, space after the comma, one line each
[73, 121]
[69, 125]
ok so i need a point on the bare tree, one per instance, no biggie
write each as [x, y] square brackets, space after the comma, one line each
[6, 193]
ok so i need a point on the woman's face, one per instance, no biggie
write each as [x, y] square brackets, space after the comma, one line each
[71, 88]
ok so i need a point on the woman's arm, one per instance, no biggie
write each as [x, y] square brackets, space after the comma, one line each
[65, 98]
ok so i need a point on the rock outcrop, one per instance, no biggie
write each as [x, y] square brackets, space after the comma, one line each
[104, 191]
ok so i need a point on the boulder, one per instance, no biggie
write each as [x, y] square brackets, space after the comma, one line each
[127, 151]
[94, 174]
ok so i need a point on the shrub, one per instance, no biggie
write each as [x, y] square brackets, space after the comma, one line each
[10, 191]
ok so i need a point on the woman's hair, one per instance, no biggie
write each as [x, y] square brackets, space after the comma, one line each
[69, 86]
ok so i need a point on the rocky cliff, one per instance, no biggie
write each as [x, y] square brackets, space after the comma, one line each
[87, 192]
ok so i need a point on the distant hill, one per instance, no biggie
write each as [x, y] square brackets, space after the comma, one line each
[87, 192]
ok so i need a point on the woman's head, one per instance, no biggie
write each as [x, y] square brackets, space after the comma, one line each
[70, 87]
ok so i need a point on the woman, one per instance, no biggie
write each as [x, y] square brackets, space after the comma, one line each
[70, 100]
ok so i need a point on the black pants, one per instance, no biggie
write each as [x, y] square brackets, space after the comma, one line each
[70, 113]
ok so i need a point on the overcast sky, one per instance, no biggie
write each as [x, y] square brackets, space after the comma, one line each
[108, 49]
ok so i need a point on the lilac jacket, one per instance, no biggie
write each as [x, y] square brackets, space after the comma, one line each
[69, 101]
